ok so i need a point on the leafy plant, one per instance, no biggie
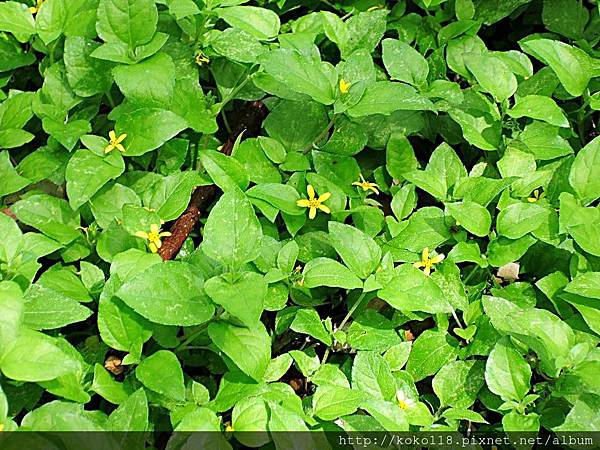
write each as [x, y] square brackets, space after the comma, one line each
[235, 216]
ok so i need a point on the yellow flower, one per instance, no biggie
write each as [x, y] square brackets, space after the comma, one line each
[313, 203]
[153, 238]
[201, 58]
[427, 262]
[344, 86]
[229, 428]
[115, 142]
[536, 196]
[403, 401]
[367, 186]
[36, 8]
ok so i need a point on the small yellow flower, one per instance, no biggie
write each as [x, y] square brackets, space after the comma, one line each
[201, 58]
[35, 9]
[229, 428]
[366, 185]
[536, 196]
[403, 401]
[427, 262]
[153, 238]
[344, 86]
[115, 142]
[1, 427]
[313, 203]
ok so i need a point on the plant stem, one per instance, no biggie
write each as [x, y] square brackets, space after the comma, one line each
[344, 321]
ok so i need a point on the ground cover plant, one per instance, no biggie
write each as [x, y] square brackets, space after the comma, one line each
[284, 215]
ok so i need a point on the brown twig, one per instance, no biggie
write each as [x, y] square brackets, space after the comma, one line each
[248, 121]
[9, 213]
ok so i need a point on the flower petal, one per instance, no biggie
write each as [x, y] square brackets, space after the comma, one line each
[325, 209]
[304, 203]
[165, 234]
[154, 228]
[374, 189]
[418, 264]
[325, 197]
[120, 147]
[312, 212]
[425, 254]
[427, 270]
[112, 135]
[311, 191]
[120, 138]
[437, 258]
[141, 234]
[152, 247]
[108, 148]
[158, 243]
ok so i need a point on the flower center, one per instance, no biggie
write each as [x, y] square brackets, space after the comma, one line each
[314, 203]
[403, 405]
[153, 236]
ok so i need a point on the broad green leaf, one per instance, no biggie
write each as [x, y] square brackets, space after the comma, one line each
[259, 22]
[169, 293]
[371, 375]
[471, 216]
[584, 176]
[161, 372]
[10, 180]
[541, 108]
[226, 172]
[358, 250]
[492, 74]
[518, 219]
[328, 272]
[87, 172]
[33, 356]
[47, 309]
[87, 75]
[431, 351]
[255, 358]
[307, 321]
[16, 19]
[11, 304]
[458, 383]
[241, 295]
[507, 374]
[571, 65]
[411, 290]
[331, 401]
[52, 216]
[132, 22]
[404, 63]
[232, 232]
[385, 97]
[302, 73]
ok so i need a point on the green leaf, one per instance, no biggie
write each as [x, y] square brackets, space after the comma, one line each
[411, 290]
[10, 180]
[492, 74]
[86, 174]
[541, 108]
[507, 374]
[431, 351]
[404, 63]
[170, 195]
[331, 401]
[132, 414]
[255, 358]
[471, 216]
[169, 293]
[87, 75]
[307, 321]
[385, 97]
[161, 372]
[371, 375]
[584, 176]
[328, 272]
[35, 357]
[148, 83]
[358, 250]
[518, 219]
[226, 172]
[52, 216]
[11, 303]
[232, 232]
[241, 295]
[259, 22]
[46, 309]
[571, 65]
[458, 383]
[132, 22]
[16, 19]
[301, 73]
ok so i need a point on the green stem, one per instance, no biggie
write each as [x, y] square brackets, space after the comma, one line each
[321, 135]
[198, 332]
[344, 321]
